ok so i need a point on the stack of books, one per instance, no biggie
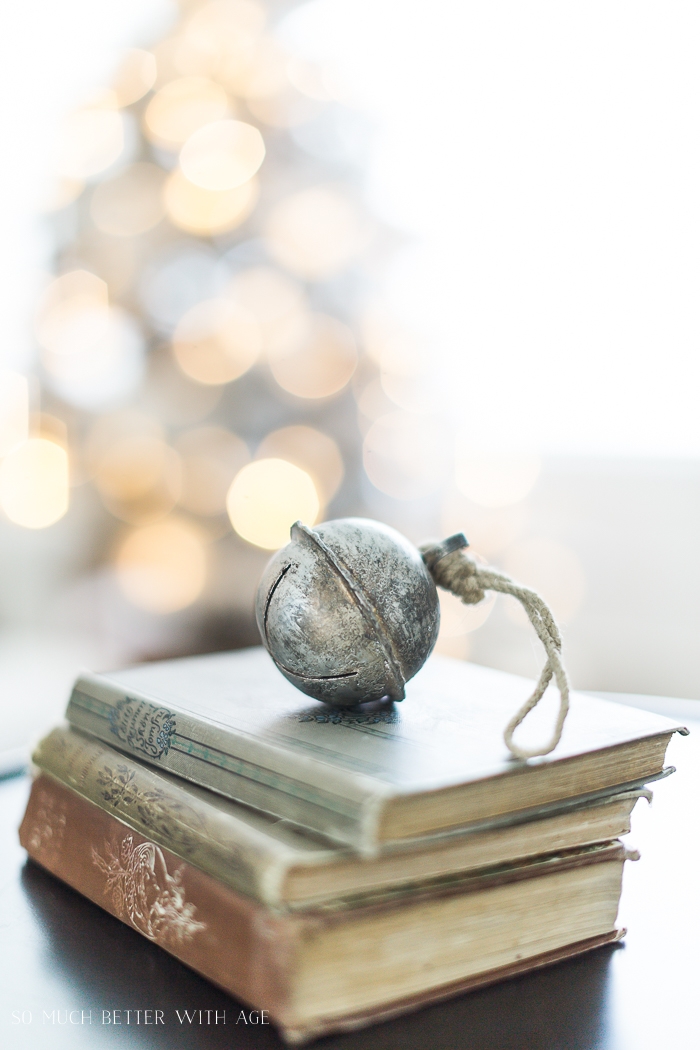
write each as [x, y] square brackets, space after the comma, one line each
[332, 868]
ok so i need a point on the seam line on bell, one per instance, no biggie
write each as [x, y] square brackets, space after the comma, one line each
[370, 615]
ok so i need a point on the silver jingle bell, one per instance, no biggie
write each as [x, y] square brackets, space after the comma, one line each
[348, 611]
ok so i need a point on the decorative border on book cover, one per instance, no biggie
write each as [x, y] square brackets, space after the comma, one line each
[143, 726]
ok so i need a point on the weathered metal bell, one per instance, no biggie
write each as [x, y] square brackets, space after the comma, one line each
[348, 611]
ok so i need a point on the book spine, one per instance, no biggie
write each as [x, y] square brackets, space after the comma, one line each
[235, 943]
[342, 806]
[173, 815]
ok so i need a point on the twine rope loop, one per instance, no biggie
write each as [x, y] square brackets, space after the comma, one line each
[460, 574]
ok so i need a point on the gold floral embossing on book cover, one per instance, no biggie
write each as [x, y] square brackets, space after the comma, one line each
[144, 893]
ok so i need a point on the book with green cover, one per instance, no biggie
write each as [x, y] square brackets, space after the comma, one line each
[284, 868]
[231, 723]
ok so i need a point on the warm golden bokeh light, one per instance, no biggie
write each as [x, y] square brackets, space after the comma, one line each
[495, 479]
[267, 497]
[406, 456]
[139, 478]
[178, 400]
[211, 458]
[34, 483]
[457, 619]
[116, 259]
[131, 203]
[318, 362]
[216, 342]
[62, 192]
[265, 75]
[265, 84]
[312, 79]
[79, 330]
[288, 109]
[316, 232]
[181, 107]
[220, 38]
[90, 140]
[168, 67]
[372, 403]
[135, 76]
[208, 212]
[92, 351]
[314, 452]
[77, 287]
[267, 294]
[404, 362]
[162, 567]
[14, 410]
[222, 155]
[110, 428]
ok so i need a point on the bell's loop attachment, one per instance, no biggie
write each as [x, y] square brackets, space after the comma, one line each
[434, 553]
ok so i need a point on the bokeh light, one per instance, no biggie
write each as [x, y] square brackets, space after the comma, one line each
[266, 498]
[372, 402]
[181, 107]
[208, 212]
[76, 287]
[404, 361]
[176, 280]
[115, 259]
[495, 479]
[269, 93]
[318, 361]
[112, 427]
[308, 448]
[265, 74]
[90, 140]
[457, 621]
[288, 109]
[166, 54]
[406, 456]
[315, 233]
[313, 79]
[220, 37]
[216, 342]
[552, 569]
[222, 155]
[131, 203]
[271, 297]
[211, 457]
[171, 290]
[136, 75]
[138, 477]
[14, 410]
[93, 352]
[162, 567]
[489, 529]
[61, 192]
[34, 483]
[172, 396]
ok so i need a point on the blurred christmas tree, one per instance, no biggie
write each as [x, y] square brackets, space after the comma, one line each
[199, 341]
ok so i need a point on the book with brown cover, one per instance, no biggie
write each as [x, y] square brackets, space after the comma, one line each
[337, 967]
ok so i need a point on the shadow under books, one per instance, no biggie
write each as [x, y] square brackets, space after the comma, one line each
[109, 966]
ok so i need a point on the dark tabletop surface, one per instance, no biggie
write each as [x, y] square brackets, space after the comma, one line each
[60, 953]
